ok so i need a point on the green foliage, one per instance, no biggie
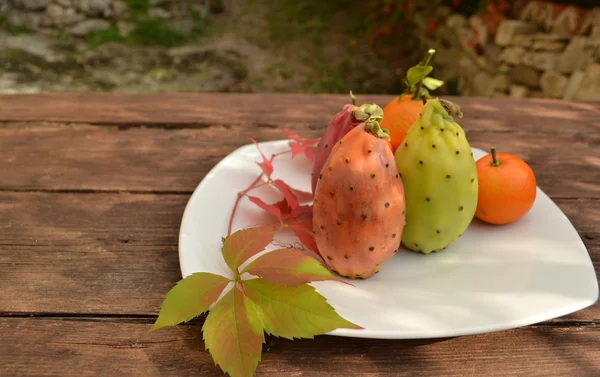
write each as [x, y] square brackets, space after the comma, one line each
[97, 38]
[155, 31]
[191, 297]
[18, 29]
[146, 31]
[138, 6]
[279, 302]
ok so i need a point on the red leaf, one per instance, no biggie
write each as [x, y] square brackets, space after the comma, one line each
[302, 196]
[310, 153]
[292, 135]
[272, 209]
[305, 236]
[297, 148]
[302, 213]
[245, 243]
[300, 145]
[291, 199]
[289, 267]
[266, 165]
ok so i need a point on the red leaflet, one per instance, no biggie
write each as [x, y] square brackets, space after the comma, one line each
[305, 236]
[292, 135]
[272, 209]
[299, 195]
[306, 146]
[302, 196]
[291, 199]
[289, 267]
[245, 243]
[266, 165]
[297, 148]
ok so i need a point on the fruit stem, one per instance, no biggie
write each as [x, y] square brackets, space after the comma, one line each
[372, 116]
[353, 98]
[495, 161]
[424, 62]
[452, 108]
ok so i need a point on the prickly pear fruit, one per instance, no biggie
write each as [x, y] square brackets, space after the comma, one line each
[440, 179]
[338, 127]
[358, 211]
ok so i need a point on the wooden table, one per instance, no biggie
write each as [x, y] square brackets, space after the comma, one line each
[92, 190]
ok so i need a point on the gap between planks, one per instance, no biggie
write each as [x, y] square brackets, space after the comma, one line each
[171, 192]
[199, 321]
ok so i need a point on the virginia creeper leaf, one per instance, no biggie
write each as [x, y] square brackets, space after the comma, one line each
[292, 135]
[233, 334]
[431, 83]
[305, 236]
[287, 193]
[302, 196]
[297, 148]
[418, 73]
[273, 209]
[265, 165]
[310, 153]
[245, 243]
[300, 140]
[288, 267]
[294, 312]
[300, 145]
[188, 299]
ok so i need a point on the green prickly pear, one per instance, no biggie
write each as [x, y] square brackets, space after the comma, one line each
[440, 179]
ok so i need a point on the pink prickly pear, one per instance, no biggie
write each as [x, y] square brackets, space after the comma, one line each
[339, 125]
[359, 206]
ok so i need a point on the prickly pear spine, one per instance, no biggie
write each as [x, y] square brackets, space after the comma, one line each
[440, 179]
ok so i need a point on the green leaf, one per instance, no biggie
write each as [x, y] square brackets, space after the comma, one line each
[233, 334]
[289, 267]
[431, 83]
[188, 299]
[245, 243]
[294, 312]
[418, 73]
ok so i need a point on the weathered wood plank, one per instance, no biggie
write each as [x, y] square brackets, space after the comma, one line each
[33, 347]
[117, 253]
[200, 109]
[154, 160]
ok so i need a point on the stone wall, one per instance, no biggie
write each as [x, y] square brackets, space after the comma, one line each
[80, 17]
[538, 53]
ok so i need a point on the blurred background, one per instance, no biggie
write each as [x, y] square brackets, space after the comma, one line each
[490, 48]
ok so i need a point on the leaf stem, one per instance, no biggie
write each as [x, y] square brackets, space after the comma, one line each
[253, 185]
[424, 62]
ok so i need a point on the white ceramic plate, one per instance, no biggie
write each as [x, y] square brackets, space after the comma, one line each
[492, 278]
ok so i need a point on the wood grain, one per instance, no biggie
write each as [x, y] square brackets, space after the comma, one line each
[117, 253]
[85, 158]
[201, 109]
[86, 348]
